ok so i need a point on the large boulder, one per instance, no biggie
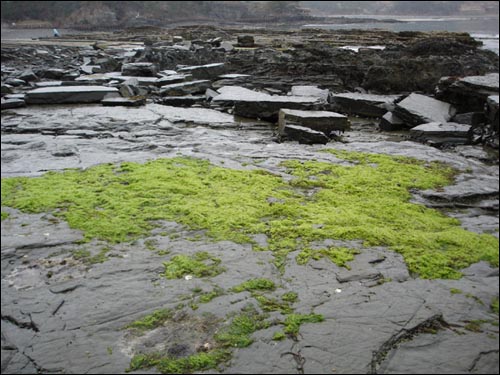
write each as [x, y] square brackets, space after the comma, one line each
[418, 109]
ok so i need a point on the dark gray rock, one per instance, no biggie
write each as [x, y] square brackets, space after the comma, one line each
[438, 133]
[322, 121]
[183, 101]
[69, 94]
[50, 73]
[363, 104]
[419, 109]
[304, 135]
[314, 91]
[171, 79]
[469, 118]
[246, 41]
[209, 71]
[64, 151]
[492, 111]
[129, 88]
[90, 69]
[124, 102]
[143, 69]
[15, 82]
[12, 103]
[254, 104]
[268, 108]
[468, 94]
[28, 76]
[185, 88]
[6, 89]
[390, 122]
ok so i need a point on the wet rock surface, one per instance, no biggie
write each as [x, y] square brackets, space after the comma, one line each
[65, 304]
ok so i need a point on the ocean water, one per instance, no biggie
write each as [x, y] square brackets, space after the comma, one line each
[485, 29]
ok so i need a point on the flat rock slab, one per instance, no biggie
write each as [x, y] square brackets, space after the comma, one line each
[126, 102]
[186, 88]
[69, 94]
[144, 69]
[97, 78]
[255, 104]
[13, 103]
[419, 109]
[468, 94]
[439, 132]
[363, 104]
[208, 71]
[313, 91]
[183, 101]
[304, 135]
[323, 121]
[171, 79]
[232, 94]
[488, 82]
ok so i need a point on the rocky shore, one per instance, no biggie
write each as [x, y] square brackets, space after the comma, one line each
[250, 201]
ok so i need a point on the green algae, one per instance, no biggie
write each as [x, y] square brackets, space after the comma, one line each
[338, 255]
[5, 215]
[86, 256]
[200, 264]
[238, 333]
[209, 296]
[153, 320]
[185, 365]
[368, 200]
[254, 284]
[494, 305]
[279, 336]
[290, 297]
[294, 321]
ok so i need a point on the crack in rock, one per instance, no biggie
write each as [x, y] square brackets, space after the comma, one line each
[23, 325]
[479, 356]
[435, 322]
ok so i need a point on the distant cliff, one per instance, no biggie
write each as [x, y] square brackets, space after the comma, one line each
[116, 14]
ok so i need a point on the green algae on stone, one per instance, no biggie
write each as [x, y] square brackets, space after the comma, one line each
[184, 365]
[294, 321]
[200, 264]
[209, 296]
[494, 305]
[338, 255]
[367, 199]
[254, 284]
[290, 297]
[153, 320]
[5, 215]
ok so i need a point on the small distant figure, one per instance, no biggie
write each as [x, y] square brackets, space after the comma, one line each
[56, 33]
